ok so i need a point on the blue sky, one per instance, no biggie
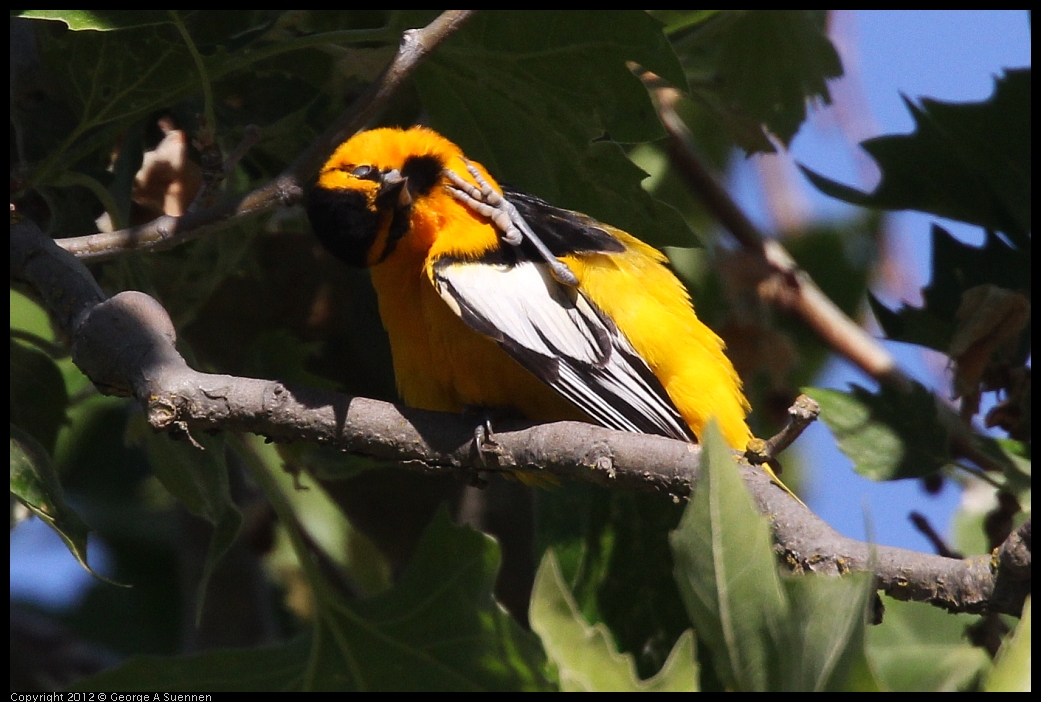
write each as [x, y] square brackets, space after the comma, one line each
[944, 55]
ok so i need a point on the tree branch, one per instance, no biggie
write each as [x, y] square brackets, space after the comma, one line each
[125, 345]
[784, 284]
[286, 189]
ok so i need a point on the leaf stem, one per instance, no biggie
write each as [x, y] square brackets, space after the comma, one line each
[204, 76]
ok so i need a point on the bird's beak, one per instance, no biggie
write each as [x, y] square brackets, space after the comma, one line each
[395, 186]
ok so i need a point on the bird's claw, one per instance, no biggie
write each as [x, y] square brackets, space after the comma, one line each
[487, 202]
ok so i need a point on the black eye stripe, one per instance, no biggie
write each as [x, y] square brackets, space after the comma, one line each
[422, 173]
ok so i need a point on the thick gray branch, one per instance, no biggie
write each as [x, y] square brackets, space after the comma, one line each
[125, 344]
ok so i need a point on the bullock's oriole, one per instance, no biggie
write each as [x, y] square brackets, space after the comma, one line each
[483, 290]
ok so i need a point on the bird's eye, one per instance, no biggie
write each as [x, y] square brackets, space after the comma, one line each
[366, 172]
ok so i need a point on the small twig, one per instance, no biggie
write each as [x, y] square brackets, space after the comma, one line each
[978, 474]
[211, 162]
[416, 46]
[803, 412]
[926, 529]
[215, 173]
[250, 137]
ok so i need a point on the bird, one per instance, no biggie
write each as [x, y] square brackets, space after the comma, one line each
[494, 298]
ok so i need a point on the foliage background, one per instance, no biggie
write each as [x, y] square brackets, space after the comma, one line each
[246, 302]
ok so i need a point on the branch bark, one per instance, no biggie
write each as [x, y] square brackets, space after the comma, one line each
[125, 345]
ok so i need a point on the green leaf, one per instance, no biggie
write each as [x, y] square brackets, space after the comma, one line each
[965, 161]
[637, 596]
[35, 483]
[531, 94]
[727, 575]
[764, 632]
[1012, 669]
[825, 648]
[280, 88]
[1014, 457]
[439, 628]
[889, 435]
[614, 552]
[107, 77]
[677, 20]
[972, 522]
[246, 670]
[186, 279]
[303, 478]
[919, 648]
[957, 267]
[277, 353]
[193, 470]
[26, 315]
[756, 71]
[328, 463]
[101, 20]
[577, 524]
[199, 479]
[585, 656]
[913, 325]
[106, 80]
[840, 260]
[38, 396]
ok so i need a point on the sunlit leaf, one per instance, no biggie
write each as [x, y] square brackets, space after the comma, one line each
[101, 20]
[919, 648]
[889, 435]
[764, 632]
[585, 657]
[1012, 667]
[827, 629]
[727, 575]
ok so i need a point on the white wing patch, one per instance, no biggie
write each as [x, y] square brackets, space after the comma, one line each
[563, 339]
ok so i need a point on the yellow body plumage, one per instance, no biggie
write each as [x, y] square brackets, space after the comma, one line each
[440, 361]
